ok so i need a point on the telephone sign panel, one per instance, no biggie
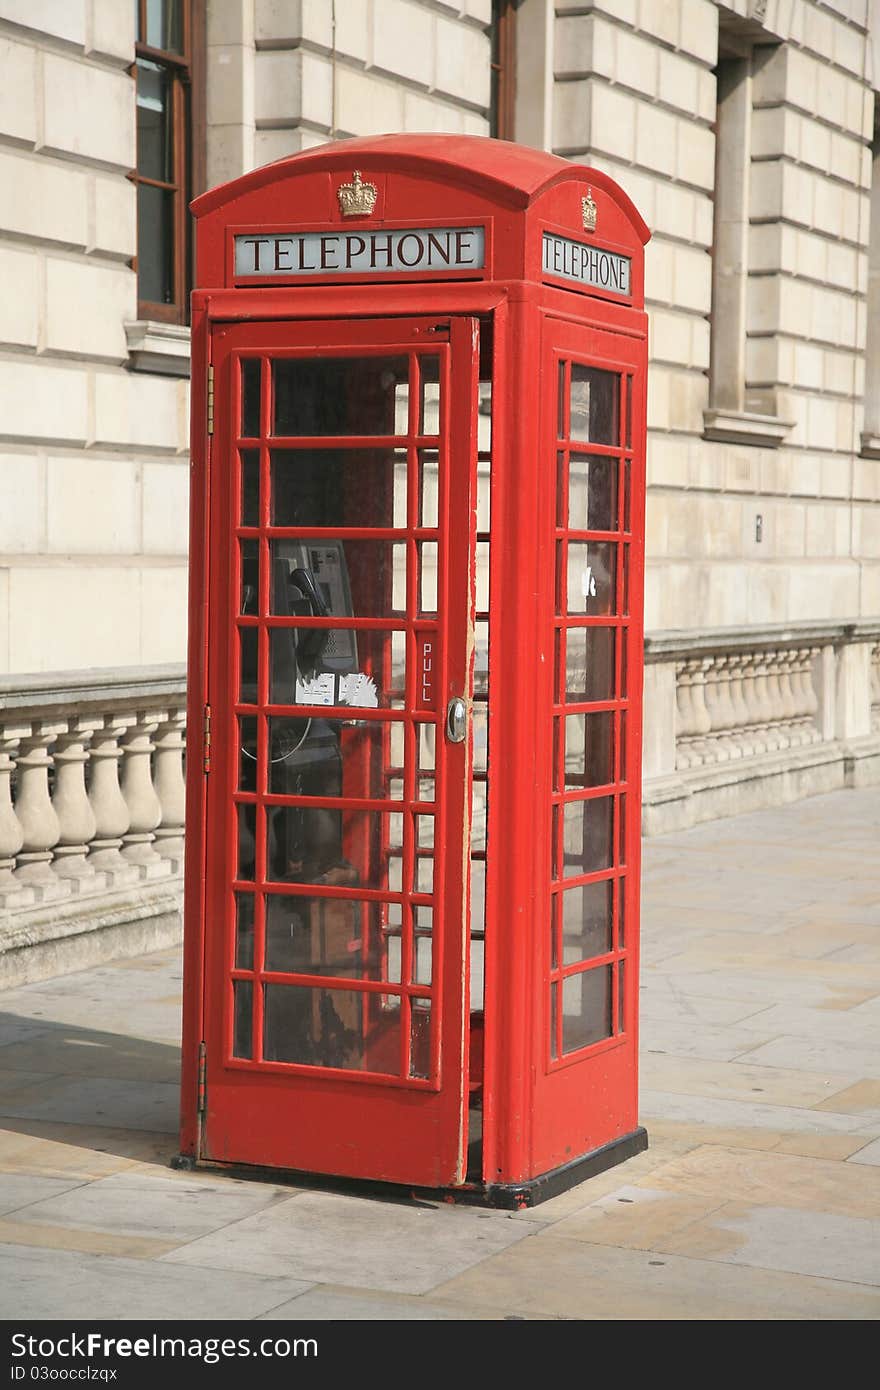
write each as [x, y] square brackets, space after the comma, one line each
[417, 522]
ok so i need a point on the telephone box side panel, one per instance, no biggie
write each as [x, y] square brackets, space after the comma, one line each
[197, 699]
[584, 1060]
[519, 659]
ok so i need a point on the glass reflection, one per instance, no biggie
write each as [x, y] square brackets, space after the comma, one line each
[594, 397]
[338, 395]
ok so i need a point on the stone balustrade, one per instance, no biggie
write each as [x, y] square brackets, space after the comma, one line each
[91, 806]
[91, 784]
[735, 720]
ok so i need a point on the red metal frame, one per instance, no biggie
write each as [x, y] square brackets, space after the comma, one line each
[540, 1111]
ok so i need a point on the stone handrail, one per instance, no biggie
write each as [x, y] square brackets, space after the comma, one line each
[723, 695]
[91, 782]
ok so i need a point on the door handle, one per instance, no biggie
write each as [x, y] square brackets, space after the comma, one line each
[456, 720]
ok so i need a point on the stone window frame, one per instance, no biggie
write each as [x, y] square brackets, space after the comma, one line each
[870, 439]
[727, 417]
[159, 339]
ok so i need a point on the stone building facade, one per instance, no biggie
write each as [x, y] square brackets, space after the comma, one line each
[744, 132]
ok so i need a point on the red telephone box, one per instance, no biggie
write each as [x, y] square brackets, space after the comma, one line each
[412, 886]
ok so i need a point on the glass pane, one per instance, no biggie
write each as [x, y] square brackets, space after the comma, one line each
[423, 944]
[427, 577]
[307, 757]
[244, 931]
[481, 657]
[592, 577]
[586, 1008]
[420, 1039]
[561, 411]
[317, 579]
[426, 742]
[589, 750]
[429, 409]
[243, 1017]
[246, 842]
[250, 397]
[586, 920]
[250, 487]
[589, 665]
[480, 724]
[554, 1009]
[155, 219]
[165, 25]
[429, 466]
[594, 405]
[249, 646]
[478, 895]
[330, 1028]
[338, 487]
[327, 845]
[478, 816]
[592, 493]
[627, 489]
[323, 936]
[155, 135]
[484, 495]
[482, 576]
[337, 666]
[621, 1006]
[621, 913]
[247, 743]
[478, 974]
[249, 598]
[587, 836]
[338, 396]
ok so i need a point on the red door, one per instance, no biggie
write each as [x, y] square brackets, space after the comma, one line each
[341, 601]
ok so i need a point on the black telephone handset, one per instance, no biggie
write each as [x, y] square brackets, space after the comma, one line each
[310, 642]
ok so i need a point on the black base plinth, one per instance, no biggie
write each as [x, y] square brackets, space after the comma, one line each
[507, 1196]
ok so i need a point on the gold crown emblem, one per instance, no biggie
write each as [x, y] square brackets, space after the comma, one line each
[356, 199]
[588, 207]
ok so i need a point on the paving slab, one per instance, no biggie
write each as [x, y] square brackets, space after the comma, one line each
[327, 1238]
[40, 1284]
[574, 1279]
[167, 1205]
[758, 1197]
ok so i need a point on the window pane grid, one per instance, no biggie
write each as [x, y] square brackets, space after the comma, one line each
[398, 769]
[591, 535]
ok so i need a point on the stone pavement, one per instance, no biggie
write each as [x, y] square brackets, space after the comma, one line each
[758, 1198]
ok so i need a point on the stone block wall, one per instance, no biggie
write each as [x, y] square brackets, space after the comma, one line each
[740, 534]
[93, 464]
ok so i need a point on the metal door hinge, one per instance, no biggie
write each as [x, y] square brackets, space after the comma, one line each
[206, 740]
[203, 1079]
[210, 399]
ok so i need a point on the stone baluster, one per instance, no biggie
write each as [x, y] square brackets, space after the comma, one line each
[717, 748]
[764, 723]
[741, 714]
[788, 667]
[693, 717]
[144, 808]
[36, 815]
[778, 727]
[750, 737]
[725, 709]
[12, 894]
[108, 803]
[806, 694]
[170, 786]
[76, 818]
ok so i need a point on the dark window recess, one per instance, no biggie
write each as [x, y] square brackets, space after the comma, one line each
[503, 66]
[169, 93]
